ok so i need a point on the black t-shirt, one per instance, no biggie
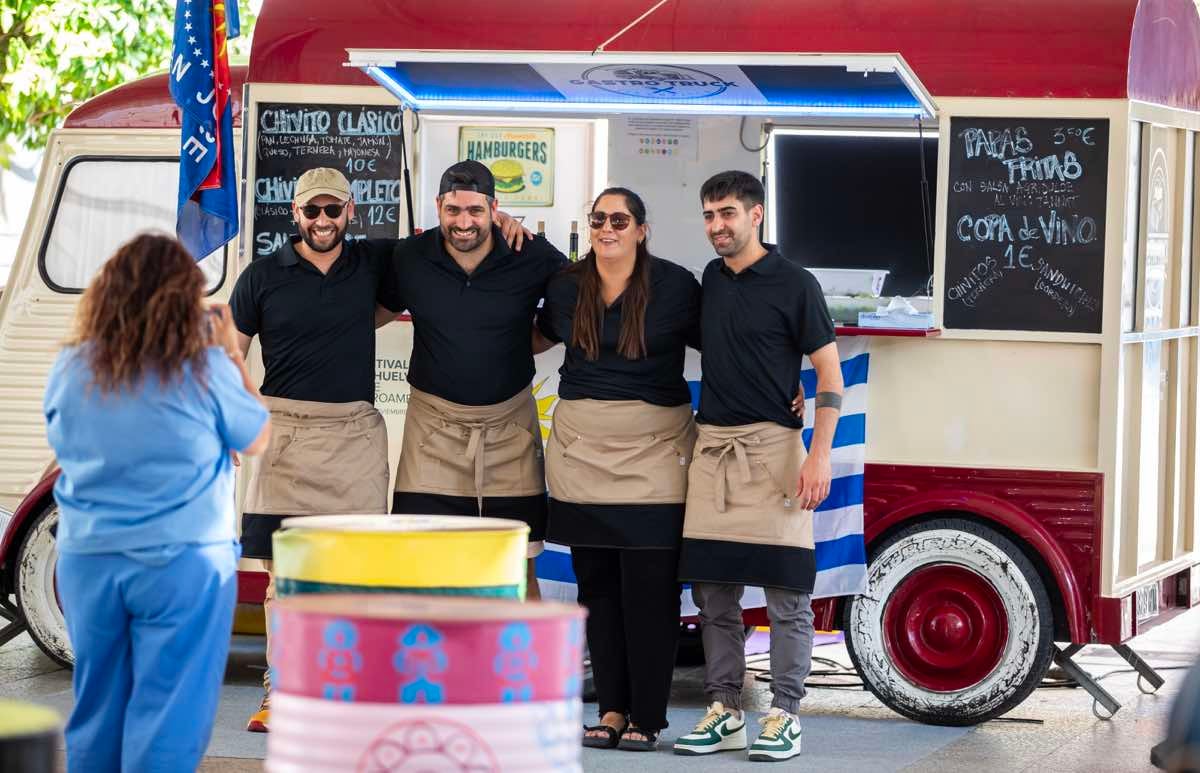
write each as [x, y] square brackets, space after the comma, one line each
[756, 326]
[317, 331]
[672, 323]
[472, 334]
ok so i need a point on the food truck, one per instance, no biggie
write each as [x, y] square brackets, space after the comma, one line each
[998, 199]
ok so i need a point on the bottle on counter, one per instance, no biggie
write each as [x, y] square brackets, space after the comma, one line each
[541, 228]
[573, 245]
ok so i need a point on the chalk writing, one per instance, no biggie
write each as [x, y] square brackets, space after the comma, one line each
[361, 141]
[1025, 223]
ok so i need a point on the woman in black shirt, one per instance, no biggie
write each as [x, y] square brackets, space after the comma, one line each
[617, 459]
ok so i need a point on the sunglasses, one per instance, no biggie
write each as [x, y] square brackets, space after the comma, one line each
[619, 220]
[332, 211]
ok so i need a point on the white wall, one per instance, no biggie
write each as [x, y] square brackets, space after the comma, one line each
[671, 186]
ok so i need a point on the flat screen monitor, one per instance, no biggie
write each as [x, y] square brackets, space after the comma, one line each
[855, 199]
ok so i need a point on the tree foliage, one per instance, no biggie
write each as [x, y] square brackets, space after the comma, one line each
[55, 54]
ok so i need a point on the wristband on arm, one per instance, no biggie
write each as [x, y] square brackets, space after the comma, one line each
[828, 400]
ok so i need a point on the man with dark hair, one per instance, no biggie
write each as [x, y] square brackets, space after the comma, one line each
[752, 487]
[472, 441]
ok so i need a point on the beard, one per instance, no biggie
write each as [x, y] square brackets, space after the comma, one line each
[323, 243]
[466, 240]
[732, 247]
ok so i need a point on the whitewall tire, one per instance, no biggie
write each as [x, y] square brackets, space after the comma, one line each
[955, 627]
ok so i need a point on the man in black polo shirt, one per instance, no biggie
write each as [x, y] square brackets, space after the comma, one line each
[472, 442]
[752, 487]
[313, 305]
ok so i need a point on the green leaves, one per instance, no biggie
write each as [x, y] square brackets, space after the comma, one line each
[56, 54]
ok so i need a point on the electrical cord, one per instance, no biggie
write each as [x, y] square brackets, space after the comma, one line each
[833, 670]
[742, 138]
[836, 670]
[926, 205]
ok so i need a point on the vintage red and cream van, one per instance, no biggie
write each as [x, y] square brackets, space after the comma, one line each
[999, 200]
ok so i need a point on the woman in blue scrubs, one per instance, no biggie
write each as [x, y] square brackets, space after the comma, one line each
[143, 409]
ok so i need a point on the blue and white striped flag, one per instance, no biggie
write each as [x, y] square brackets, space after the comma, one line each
[837, 522]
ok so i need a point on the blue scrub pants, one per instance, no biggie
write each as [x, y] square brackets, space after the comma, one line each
[151, 636]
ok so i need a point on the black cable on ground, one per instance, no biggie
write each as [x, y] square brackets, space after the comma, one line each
[836, 670]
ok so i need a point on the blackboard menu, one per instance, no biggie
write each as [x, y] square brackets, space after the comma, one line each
[1025, 224]
[363, 141]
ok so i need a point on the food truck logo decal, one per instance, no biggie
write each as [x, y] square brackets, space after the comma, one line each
[654, 82]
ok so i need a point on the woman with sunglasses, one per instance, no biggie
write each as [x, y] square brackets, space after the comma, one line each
[617, 459]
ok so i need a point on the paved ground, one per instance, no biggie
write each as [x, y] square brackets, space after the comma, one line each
[844, 730]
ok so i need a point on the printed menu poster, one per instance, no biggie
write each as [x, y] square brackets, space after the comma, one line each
[521, 159]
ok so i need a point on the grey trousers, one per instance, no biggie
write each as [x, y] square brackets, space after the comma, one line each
[724, 638]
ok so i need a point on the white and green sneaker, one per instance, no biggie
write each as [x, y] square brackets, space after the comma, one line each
[719, 731]
[779, 739]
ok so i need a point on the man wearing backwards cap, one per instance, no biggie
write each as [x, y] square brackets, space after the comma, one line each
[313, 305]
[472, 442]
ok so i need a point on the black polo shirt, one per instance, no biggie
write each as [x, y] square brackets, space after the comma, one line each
[756, 326]
[672, 323]
[317, 331]
[472, 334]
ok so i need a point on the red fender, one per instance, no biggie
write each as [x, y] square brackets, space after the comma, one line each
[251, 585]
[1015, 519]
[30, 506]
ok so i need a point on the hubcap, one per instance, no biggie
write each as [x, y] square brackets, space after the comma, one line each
[945, 627]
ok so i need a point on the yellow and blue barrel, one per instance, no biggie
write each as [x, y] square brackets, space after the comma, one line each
[28, 737]
[436, 555]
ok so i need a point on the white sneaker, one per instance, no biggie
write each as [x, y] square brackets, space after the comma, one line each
[779, 739]
[719, 731]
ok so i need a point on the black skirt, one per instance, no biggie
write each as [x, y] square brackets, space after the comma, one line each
[645, 527]
[529, 509]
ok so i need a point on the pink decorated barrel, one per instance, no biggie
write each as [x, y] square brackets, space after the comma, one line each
[424, 683]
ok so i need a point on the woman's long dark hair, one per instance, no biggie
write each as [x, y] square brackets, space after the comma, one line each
[142, 313]
[589, 306]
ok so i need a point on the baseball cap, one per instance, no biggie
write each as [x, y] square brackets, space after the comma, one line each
[468, 176]
[322, 181]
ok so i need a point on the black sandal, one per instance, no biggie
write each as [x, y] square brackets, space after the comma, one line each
[647, 744]
[610, 740]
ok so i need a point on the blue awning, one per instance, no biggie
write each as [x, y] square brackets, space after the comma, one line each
[769, 85]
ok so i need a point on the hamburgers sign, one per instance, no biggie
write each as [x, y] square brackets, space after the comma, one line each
[521, 159]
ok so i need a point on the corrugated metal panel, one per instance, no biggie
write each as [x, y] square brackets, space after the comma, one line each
[32, 332]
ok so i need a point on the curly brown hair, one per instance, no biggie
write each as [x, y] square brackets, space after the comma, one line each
[143, 313]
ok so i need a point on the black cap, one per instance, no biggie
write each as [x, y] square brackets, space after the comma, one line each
[468, 176]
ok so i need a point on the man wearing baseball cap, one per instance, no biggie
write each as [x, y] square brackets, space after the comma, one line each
[314, 305]
[472, 442]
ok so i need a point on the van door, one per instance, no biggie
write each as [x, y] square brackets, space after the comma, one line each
[97, 189]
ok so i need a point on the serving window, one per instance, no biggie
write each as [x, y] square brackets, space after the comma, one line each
[856, 206]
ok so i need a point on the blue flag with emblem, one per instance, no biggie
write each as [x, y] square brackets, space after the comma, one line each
[201, 84]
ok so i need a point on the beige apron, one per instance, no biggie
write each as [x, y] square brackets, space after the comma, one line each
[323, 458]
[742, 487]
[619, 452]
[471, 450]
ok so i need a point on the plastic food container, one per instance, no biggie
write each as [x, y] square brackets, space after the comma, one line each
[860, 282]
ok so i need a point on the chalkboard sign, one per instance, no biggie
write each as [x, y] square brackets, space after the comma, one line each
[1025, 224]
[363, 141]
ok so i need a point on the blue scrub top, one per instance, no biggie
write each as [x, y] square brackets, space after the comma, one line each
[147, 466]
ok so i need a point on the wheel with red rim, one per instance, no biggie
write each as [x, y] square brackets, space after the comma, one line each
[955, 626]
